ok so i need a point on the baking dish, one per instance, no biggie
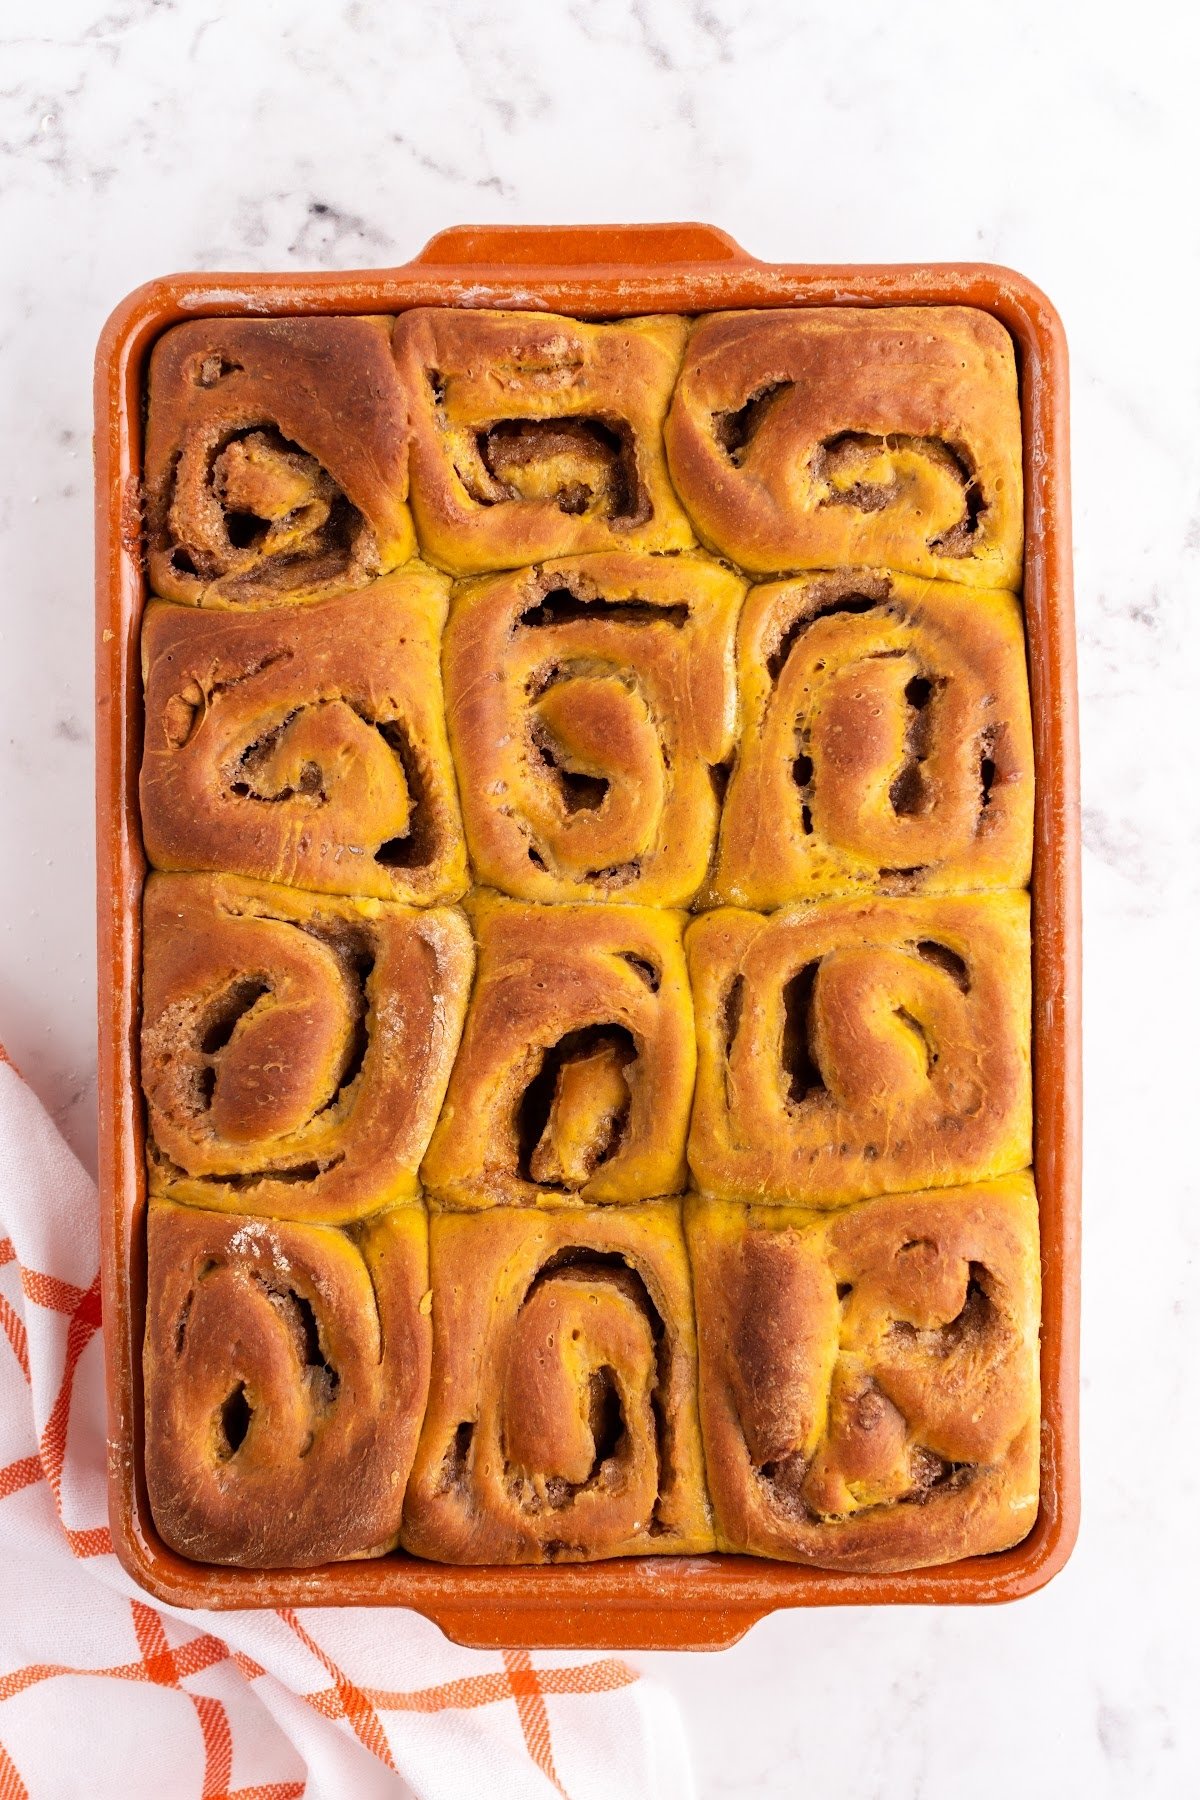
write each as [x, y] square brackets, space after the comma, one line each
[592, 272]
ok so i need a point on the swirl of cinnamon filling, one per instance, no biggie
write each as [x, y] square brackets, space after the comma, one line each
[562, 1418]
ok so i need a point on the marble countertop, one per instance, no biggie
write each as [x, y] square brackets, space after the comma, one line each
[142, 136]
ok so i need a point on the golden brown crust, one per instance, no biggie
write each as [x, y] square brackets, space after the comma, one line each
[632, 733]
[276, 464]
[825, 437]
[537, 436]
[562, 1422]
[295, 1048]
[861, 1047]
[869, 1379]
[286, 1371]
[588, 701]
[305, 746]
[575, 1076]
[885, 741]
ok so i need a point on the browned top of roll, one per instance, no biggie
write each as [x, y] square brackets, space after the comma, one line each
[577, 1061]
[562, 1412]
[286, 1371]
[537, 436]
[885, 741]
[869, 1379]
[276, 464]
[589, 701]
[306, 746]
[295, 1047]
[818, 437]
[860, 1047]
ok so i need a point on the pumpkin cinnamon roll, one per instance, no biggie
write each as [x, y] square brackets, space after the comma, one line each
[305, 746]
[885, 742]
[286, 1370]
[590, 702]
[858, 1047]
[276, 465]
[574, 1081]
[295, 1049]
[561, 1424]
[825, 437]
[869, 1379]
[537, 436]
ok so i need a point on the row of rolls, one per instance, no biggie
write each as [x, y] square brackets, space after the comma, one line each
[286, 458]
[313, 1057]
[856, 1390]
[616, 727]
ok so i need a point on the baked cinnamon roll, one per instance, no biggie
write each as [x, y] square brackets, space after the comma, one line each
[286, 1370]
[537, 436]
[860, 1047]
[562, 1408]
[306, 746]
[885, 741]
[276, 465]
[575, 1076]
[295, 1048]
[826, 437]
[589, 702]
[869, 1379]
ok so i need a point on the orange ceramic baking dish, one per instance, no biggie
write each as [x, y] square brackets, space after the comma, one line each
[700, 1602]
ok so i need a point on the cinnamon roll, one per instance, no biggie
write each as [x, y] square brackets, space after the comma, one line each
[869, 1378]
[306, 746]
[885, 741]
[286, 1371]
[295, 1049]
[860, 1047]
[575, 1076]
[537, 436]
[276, 465]
[561, 1424]
[824, 437]
[589, 702]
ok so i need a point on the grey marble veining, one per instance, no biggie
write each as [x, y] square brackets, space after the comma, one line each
[151, 135]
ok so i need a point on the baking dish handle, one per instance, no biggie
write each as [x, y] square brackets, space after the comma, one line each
[564, 1624]
[549, 246]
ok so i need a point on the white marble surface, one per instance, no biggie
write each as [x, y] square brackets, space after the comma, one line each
[151, 135]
